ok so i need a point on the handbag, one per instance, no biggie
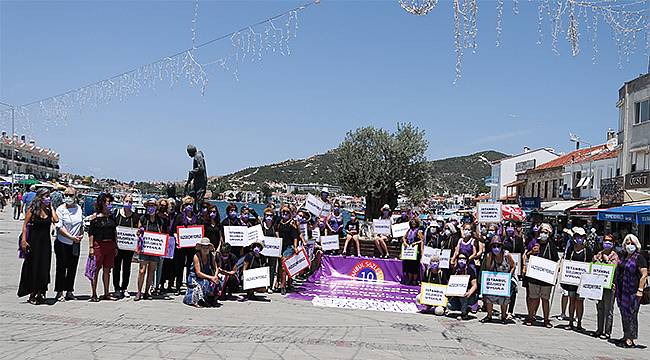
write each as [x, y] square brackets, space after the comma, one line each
[23, 254]
[91, 268]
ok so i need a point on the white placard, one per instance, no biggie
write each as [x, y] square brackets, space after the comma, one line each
[445, 258]
[591, 286]
[257, 278]
[314, 205]
[541, 269]
[517, 258]
[400, 229]
[272, 247]
[606, 271]
[572, 271]
[427, 253]
[409, 252]
[154, 244]
[296, 263]
[457, 285]
[495, 283]
[254, 233]
[188, 236]
[381, 226]
[236, 235]
[127, 238]
[330, 242]
[433, 294]
[326, 210]
[315, 234]
[489, 212]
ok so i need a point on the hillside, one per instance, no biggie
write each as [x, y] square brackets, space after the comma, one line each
[462, 174]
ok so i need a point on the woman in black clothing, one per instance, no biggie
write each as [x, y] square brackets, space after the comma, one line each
[232, 219]
[124, 217]
[227, 263]
[269, 228]
[578, 252]
[37, 245]
[352, 230]
[212, 228]
[102, 237]
[183, 257]
[290, 238]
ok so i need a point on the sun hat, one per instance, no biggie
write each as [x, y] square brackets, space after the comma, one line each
[546, 227]
[578, 230]
[325, 190]
[150, 201]
[204, 242]
[385, 207]
[257, 242]
[440, 218]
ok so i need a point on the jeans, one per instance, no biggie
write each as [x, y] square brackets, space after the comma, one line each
[123, 266]
[605, 309]
[16, 212]
[457, 303]
[66, 267]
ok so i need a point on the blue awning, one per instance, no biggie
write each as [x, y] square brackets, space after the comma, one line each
[631, 214]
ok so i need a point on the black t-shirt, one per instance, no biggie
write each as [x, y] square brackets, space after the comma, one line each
[269, 230]
[585, 255]
[352, 227]
[213, 232]
[288, 233]
[127, 221]
[227, 264]
[156, 225]
[255, 262]
[102, 228]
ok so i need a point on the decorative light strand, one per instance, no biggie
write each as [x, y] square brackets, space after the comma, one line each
[418, 7]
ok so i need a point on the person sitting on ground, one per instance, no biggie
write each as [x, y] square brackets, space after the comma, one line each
[434, 275]
[227, 263]
[497, 260]
[463, 303]
[203, 280]
[254, 260]
[352, 229]
[381, 240]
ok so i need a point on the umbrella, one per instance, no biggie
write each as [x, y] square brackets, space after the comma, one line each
[513, 212]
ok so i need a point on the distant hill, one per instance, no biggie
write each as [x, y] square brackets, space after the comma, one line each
[462, 174]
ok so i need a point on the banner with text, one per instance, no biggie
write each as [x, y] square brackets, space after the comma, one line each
[188, 236]
[433, 294]
[330, 242]
[489, 212]
[495, 283]
[381, 226]
[296, 263]
[541, 269]
[457, 285]
[127, 238]
[400, 229]
[272, 246]
[606, 271]
[154, 243]
[572, 271]
[257, 278]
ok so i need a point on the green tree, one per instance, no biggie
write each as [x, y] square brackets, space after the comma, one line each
[380, 165]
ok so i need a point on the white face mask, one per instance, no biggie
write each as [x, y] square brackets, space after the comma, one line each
[630, 248]
[447, 232]
[467, 233]
[543, 236]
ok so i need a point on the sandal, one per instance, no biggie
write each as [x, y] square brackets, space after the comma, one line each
[94, 299]
[486, 319]
[108, 297]
[137, 297]
[547, 324]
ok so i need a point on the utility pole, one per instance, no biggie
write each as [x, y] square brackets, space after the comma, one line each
[13, 142]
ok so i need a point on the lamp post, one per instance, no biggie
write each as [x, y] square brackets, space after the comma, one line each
[576, 139]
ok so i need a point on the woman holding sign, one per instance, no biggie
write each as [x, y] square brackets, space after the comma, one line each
[203, 278]
[183, 256]
[102, 235]
[414, 237]
[539, 290]
[381, 240]
[605, 306]
[497, 260]
[150, 222]
[578, 252]
[124, 217]
[254, 260]
[290, 238]
[631, 276]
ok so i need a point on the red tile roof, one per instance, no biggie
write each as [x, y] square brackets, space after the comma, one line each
[598, 152]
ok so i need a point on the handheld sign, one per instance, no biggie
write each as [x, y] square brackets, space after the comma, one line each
[381, 226]
[517, 259]
[254, 233]
[236, 235]
[541, 269]
[272, 247]
[409, 253]
[572, 270]
[445, 257]
[154, 243]
[296, 263]
[591, 286]
[315, 234]
[427, 253]
[257, 278]
[433, 294]
[457, 285]
[330, 242]
[605, 271]
[188, 236]
[314, 205]
[489, 212]
[400, 229]
[127, 238]
[495, 283]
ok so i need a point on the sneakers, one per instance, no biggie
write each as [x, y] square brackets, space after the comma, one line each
[126, 294]
[70, 296]
[269, 291]
[60, 297]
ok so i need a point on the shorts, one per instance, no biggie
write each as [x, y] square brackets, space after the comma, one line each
[539, 291]
[288, 252]
[143, 258]
[105, 252]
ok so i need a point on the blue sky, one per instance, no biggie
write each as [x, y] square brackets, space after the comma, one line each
[353, 64]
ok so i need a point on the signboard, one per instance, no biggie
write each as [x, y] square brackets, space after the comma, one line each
[495, 283]
[530, 203]
[591, 286]
[235, 235]
[444, 255]
[330, 242]
[611, 190]
[572, 270]
[127, 238]
[314, 205]
[254, 234]
[541, 269]
[188, 236]
[409, 252]
[457, 285]
[433, 294]
[272, 247]
[605, 271]
[638, 180]
[427, 253]
[154, 244]
[315, 234]
[381, 226]
[400, 229]
[523, 166]
[296, 263]
[489, 212]
[517, 258]
[257, 278]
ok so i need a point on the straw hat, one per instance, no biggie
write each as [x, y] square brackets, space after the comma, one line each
[259, 242]
[188, 200]
[578, 230]
[204, 242]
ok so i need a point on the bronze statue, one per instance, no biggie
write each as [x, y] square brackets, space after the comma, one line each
[198, 176]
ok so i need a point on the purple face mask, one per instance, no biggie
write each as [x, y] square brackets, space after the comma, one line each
[244, 217]
[257, 250]
[434, 266]
[608, 245]
[204, 211]
[404, 214]
[232, 214]
[187, 209]
[47, 201]
[128, 206]
[109, 207]
[213, 215]
[496, 250]
[510, 231]
[151, 210]
[579, 240]
[268, 218]
[285, 216]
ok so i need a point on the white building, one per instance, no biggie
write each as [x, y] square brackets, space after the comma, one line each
[27, 158]
[582, 179]
[505, 171]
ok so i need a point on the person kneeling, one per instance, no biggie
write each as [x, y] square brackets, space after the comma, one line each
[203, 281]
[462, 303]
[254, 260]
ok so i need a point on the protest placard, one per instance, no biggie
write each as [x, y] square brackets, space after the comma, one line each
[314, 205]
[330, 242]
[427, 253]
[541, 269]
[188, 236]
[495, 283]
[154, 243]
[409, 252]
[236, 235]
[272, 246]
[572, 270]
[381, 226]
[254, 233]
[445, 257]
[517, 258]
[457, 285]
[433, 294]
[489, 212]
[296, 263]
[127, 238]
[326, 210]
[315, 234]
[257, 278]
[400, 229]
[591, 286]
[606, 271]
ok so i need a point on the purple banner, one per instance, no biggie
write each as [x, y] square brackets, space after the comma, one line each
[359, 283]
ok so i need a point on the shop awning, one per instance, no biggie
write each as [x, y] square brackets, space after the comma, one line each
[639, 214]
[560, 207]
[29, 182]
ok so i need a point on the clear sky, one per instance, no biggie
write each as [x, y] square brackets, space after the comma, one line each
[353, 64]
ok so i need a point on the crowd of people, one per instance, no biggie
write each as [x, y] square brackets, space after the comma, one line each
[212, 271]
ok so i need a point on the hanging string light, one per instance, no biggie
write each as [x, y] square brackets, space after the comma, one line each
[418, 7]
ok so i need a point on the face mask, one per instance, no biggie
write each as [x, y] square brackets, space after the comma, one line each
[225, 257]
[490, 234]
[353, 218]
[213, 215]
[47, 201]
[151, 210]
[109, 207]
[484, 231]
[385, 212]
[285, 216]
[299, 218]
[232, 214]
[187, 209]
[244, 217]
[496, 250]
[403, 214]
[579, 240]
[462, 263]
[510, 231]
[630, 248]
[257, 250]
[447, 232]
[434, 229]
[535, 228]
[204, 211]
[433, 266]
[268, 218]
[543, 237]
[68, 200]
[467, 233]
[128, 206]
[337, 210]
[608, 245]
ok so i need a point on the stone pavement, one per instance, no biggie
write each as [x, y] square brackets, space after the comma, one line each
[281, 329]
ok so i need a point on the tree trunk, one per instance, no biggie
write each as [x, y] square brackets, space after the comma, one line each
[374, 202]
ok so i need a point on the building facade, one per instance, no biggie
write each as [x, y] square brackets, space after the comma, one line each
[27, 158]
[505, 171]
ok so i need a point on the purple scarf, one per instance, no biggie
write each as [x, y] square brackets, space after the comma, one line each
[410, 238]
[627, 284]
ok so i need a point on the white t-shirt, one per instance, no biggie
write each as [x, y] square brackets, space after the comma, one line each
[72, 220]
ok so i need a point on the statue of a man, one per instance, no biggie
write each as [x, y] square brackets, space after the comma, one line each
[198, 176]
